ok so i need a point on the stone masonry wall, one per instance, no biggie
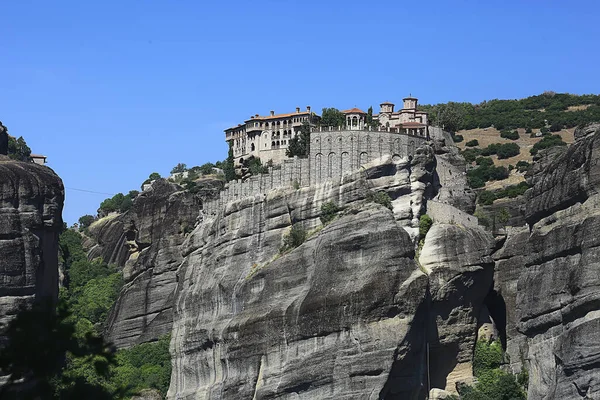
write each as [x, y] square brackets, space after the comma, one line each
[332, 154]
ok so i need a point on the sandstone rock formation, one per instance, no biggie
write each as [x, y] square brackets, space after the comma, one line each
[145, 242]
[547, 276]
[31, 202]
[348, 314]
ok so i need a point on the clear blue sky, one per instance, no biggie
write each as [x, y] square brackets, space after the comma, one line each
[113, 90]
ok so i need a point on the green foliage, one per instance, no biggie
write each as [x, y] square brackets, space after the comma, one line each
[492, 382]
[380, 198]
[425, 223]
[484, 161]
[256, 167]
[483, 219]
[153, 176]
[470, 154]
[96, 297]
[472, 143]
[295, 237]
[503, 151]
[206, 169]
[229, 167]
[85, 221]
[299, 145]
[147, 365]
[332, 117]
[523, 166]
[458, 138]
[329, 211]
[119, 202]
[486, 171]
[507, 134]
[38, 340]
[181, 167]
[547, 142]
[92, 289]
[487, 356]
[18, 149]
[488, 197]
[531, 112]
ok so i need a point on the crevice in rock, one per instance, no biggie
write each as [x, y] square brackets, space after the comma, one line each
[497, 308]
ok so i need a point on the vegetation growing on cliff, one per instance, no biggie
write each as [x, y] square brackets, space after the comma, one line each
[559, 110]
[300, 144]
[493, 383]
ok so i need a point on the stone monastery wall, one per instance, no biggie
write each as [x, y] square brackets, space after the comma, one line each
[332, 154]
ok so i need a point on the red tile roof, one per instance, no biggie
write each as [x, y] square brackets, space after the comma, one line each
[412, 125]
[354, 111]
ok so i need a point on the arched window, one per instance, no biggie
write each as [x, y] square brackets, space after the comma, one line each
[252, 147]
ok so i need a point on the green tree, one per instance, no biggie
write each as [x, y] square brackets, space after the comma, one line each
[181, 167]
[472, 143]
[229, 167]
[18, 149]
[299, 145]
[425, 223]
[451, 117]
[38, 339]
[329, 211]
[85, 221]
[332, 117]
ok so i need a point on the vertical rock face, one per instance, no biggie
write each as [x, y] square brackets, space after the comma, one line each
[31, 202]
[145, 243]
[346, 315]
[550, 274]
[460, 268]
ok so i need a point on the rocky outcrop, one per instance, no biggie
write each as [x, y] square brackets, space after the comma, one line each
[460, 269]
[348, 314]
[547, 276]
[145, 242]
[31, 202]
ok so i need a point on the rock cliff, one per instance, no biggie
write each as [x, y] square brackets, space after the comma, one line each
[31, 202]
[547, 275]
[145, 242]
[348, 314]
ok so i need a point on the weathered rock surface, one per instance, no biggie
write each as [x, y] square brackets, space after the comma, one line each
[31, 202]
[145, 242]
[549, 276]
[347, 314]
[460, 268]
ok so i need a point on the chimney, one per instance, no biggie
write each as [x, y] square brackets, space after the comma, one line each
[252, 117]
[272, 113]
[308, 108]
[297, 110]
[256, 115]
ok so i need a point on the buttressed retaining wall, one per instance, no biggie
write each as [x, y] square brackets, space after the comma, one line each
[332, 155]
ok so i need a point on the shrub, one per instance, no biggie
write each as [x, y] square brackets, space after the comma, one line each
[472, 143]
[512, 135]
[470, 154]
[547, 142]
[256, 167]
[528, 130]
[484, 161]
[508, 150]
[380, 198]
[486, 197]
[206, 169]
[329, 211]
[295, 237]
[523, 166]
[425, 223]
[85, 221]
[181, 167]
[458, 138]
